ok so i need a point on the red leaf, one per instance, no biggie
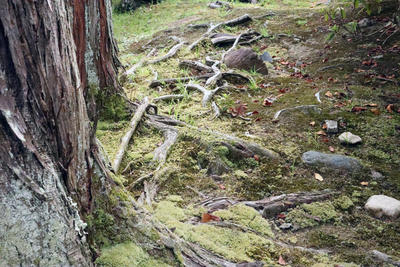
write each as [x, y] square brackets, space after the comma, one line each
[331, 149]
[256, 157]
[267, 103]
[207, 217]
[358, 109]
[281, 216]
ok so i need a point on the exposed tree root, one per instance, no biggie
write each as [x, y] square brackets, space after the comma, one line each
[171, 52]
[142, 62]
[212, 27]
[167, 98]
[127, 137]
[169, 81]
[271, 206]
[195, 65]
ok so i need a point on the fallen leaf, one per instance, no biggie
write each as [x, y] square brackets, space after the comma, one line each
[324, 126]
[321, 133]
[364, 183]
[221, 186]
[281, 261]
[207, 217]
[281, 216]
[267, 103]
[312, 123]
[318, 177]
[331, 149]
[329, 94]
[375, 111]
[256, 157]
[389, 108]
[371, 105]
[358, 109]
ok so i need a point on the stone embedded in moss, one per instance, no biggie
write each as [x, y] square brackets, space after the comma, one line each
[127, 254]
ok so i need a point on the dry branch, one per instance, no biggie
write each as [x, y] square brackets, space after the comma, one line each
[127, 137]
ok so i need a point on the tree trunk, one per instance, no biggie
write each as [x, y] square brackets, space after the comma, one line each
[51, 53]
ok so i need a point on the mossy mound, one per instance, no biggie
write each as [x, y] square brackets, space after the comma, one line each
[233, 244]
[127, 254]
[309, 215]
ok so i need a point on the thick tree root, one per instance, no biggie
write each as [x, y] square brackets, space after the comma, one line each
[212, 27]
[171, 52]
[170, 81]
[167, 98]
[127, 137]
[195, 65]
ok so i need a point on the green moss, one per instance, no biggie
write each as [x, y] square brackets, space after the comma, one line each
[240, 174]
[127, 254]
[101, 227]
[246, 216]
[343, 203]
[309, 215]
[174, 198]
[230, 243]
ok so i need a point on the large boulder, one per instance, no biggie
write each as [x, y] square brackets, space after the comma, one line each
[332, 161]
[381, 205]
[245, 59]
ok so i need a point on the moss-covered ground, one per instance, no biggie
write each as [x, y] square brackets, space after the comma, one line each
[296, 38]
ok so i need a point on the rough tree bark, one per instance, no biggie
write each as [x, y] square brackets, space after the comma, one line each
[51, 53]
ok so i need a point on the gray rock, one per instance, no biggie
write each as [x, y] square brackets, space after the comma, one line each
[332, 161]
[217, 167]
[349, 139]
[376, 175]
[285, 226]
[267, 57]
[245, 59]
[381, 205]
[366, 22]
[331, 126]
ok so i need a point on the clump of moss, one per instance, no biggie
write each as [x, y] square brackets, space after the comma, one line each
[101, 227]
[309, 215]
[127, 254]
[230, 243]
[246, 216]
[343, 203]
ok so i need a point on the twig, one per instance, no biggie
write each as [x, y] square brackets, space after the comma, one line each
[141, 62]
[127, 137]
[161, 82]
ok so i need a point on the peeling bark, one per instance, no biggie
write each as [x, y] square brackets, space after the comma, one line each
[50, 53]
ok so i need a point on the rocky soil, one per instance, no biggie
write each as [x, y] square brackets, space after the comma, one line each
[262, 142]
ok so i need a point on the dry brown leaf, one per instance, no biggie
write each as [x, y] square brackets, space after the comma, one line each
[389, 108]
[331, 149]
[207, 217]
[321, 133]
[364, 183]
[312, 123]
[318, 177]
[371, 105]
[375, 111]
[324, 126]
[329, 94]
